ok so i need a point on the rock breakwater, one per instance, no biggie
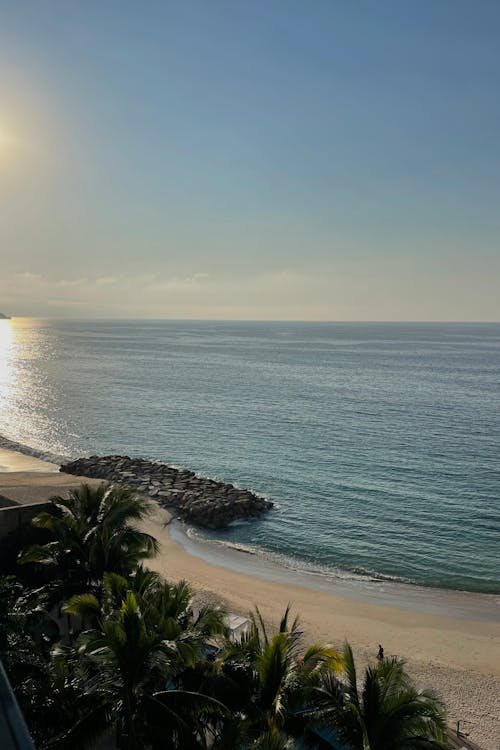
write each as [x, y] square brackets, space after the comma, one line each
[200, 501]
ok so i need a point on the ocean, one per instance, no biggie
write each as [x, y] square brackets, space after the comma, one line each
[379, 442]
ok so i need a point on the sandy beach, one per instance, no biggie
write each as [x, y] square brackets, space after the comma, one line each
[451, 640]
[458, 656]
[13, 462]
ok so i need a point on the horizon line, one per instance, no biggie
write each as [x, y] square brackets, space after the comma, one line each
[252, 320]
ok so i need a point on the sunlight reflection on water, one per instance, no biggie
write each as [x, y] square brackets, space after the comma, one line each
[23, 387]
[7, 347]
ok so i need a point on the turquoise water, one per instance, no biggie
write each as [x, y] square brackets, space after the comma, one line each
[379, 442]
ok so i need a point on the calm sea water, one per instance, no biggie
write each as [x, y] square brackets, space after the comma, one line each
[379, 442]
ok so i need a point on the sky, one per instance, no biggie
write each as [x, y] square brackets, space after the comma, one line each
[267, 159]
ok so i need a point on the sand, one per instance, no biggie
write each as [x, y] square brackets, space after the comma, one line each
[451, 640]
[458, 656]
[12, 461]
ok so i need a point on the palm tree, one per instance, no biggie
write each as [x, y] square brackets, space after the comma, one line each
[271, 678]
[22, 618]
[12, 613]
[145, 639]
[47, 699]
[57, 696]
[165, 605]
[93, 531]
[390, 713]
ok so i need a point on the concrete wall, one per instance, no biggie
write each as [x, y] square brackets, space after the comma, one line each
[18, 515]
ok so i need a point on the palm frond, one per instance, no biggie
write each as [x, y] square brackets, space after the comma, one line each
[44, 554]
[210, 621]
[82, 605]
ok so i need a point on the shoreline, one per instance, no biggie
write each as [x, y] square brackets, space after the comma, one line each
[373, 588]
[13, 461]
[244, 588]
[409, 597]
[449, 639]
[21, 449]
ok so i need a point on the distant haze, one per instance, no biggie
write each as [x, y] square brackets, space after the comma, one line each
[264, 160]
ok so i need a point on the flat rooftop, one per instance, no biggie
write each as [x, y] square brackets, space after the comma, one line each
[27, 488]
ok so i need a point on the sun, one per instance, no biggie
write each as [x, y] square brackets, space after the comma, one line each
[4, 138]
[8, 148]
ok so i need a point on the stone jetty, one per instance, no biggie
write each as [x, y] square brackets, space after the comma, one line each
[196, 500]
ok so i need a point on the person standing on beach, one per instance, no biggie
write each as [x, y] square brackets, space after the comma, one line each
[380, 654]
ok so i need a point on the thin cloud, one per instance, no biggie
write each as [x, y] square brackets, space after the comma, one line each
[179, 283]
[72, 282]
[106, 280]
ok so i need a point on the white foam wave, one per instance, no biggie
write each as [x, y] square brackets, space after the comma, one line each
[299, 566]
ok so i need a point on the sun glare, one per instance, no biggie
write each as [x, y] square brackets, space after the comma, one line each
[6, 338]
[6, 139]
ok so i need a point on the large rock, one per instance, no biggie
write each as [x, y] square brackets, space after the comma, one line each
[200, 501]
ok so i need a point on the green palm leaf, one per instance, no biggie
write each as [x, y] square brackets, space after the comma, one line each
[389, 714]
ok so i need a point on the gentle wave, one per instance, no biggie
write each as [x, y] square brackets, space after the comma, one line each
[291, 563]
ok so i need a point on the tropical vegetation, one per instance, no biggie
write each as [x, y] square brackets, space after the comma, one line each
[387, 712]
[103, 652]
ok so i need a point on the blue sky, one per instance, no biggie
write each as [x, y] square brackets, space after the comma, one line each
[289, 160]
